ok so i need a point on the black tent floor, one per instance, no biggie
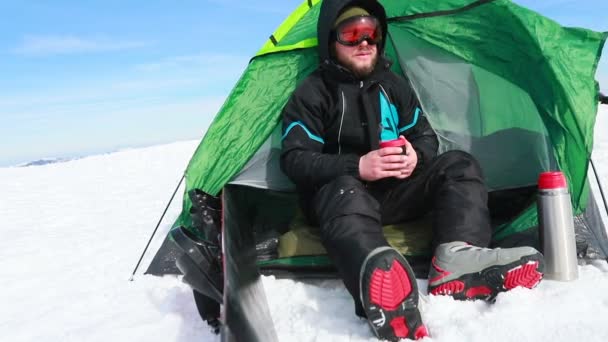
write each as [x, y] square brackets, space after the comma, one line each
[420, 265]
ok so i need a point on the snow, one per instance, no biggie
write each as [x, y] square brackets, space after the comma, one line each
[73, 232]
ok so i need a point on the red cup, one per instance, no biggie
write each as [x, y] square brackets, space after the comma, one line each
[399, 142]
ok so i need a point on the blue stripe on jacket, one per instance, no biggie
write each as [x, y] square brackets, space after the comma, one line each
[390, 120]
[310, 135]
[414, 121]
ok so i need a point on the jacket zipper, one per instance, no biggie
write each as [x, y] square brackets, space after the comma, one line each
[385, 93]
[341, 122]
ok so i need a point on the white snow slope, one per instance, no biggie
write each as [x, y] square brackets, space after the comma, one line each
[73, 232]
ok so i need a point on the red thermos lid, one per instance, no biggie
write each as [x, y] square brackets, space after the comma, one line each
[552, 180]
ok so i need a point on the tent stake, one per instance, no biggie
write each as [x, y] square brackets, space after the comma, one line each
[157, 225]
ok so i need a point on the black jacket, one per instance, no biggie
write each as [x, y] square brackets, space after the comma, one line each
[332, 118]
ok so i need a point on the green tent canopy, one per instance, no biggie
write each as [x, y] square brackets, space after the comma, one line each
[513, 88]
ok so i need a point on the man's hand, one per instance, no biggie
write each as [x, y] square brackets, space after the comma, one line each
[410, 162]
[388, 162]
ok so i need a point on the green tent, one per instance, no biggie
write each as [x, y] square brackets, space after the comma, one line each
[513, 88]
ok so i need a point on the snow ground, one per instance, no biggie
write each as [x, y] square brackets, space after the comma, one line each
[73, 232]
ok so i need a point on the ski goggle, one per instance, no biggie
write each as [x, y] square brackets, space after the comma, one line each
[354, 31]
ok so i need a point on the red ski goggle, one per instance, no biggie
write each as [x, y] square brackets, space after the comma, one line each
[354, 31]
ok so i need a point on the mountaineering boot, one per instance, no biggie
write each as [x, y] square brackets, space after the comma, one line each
[468, 272]
[389, 294]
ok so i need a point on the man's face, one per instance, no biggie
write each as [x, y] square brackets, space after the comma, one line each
[359, 59]
[356, 42]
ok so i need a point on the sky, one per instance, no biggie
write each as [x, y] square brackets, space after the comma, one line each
[87, 77]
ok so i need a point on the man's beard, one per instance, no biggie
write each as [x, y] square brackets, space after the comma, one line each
[361, 72]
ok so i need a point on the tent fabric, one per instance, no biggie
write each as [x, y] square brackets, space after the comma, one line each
[489, 74]
[297, 26]
[262, 170]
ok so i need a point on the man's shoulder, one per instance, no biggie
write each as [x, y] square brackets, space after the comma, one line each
[313, 83]
[396, 83]
[315, 78]
[394, 78]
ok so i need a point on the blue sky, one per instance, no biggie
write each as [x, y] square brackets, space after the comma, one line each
[83, 77]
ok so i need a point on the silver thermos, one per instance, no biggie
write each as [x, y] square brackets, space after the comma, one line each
[556, 227]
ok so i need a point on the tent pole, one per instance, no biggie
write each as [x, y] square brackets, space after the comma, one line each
[157, 225]
[599, 184]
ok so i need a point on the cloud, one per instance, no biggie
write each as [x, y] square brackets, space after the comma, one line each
[268, 6]
[202, 60]
[92, 93]
[214, 69]
[544, 5]
[60, 45]
[140, 125]
[130, 91]
[173, 77]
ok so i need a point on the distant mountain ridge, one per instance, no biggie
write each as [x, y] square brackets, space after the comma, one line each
[46, 161]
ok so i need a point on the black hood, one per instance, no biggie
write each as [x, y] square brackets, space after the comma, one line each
[330, 9]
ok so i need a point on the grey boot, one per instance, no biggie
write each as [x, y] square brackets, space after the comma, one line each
[469, 272]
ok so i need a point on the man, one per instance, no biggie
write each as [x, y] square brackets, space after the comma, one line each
[333, 125]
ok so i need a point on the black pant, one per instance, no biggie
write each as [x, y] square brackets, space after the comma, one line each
[351, 213]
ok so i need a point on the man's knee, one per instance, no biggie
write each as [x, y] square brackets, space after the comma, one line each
[345, 195]
[341, 183]
[460, 164]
